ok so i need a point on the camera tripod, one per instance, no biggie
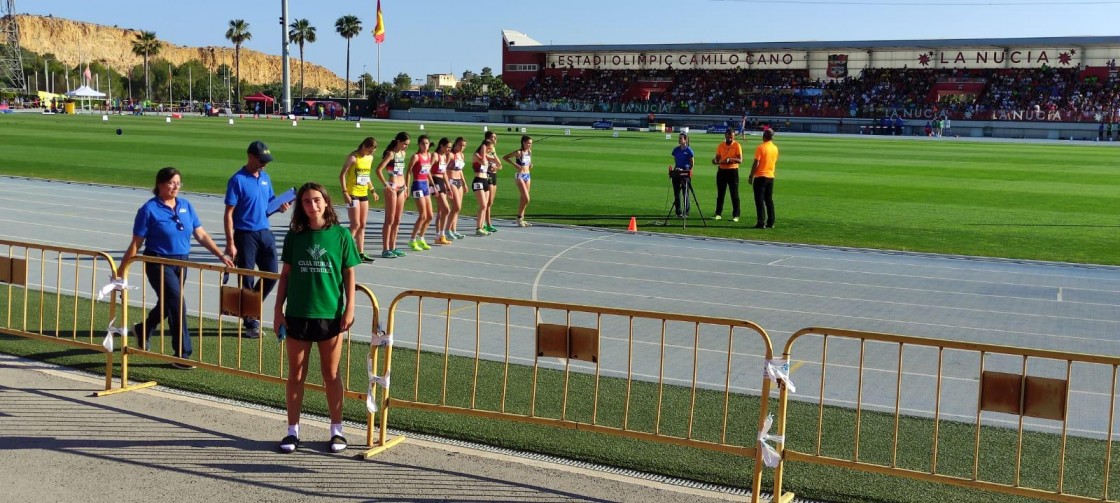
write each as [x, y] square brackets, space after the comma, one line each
[686, 195]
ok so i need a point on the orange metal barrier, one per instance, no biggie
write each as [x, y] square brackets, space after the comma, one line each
[50, 294]
[216, 307]
[663, 378]
[952, 413]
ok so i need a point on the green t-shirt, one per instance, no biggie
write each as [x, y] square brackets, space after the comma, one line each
[317, 258]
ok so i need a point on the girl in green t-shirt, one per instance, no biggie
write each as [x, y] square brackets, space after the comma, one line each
[317, 283]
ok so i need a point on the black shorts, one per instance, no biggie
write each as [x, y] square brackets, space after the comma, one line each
[439, 185]
[359, 198]
[313, 329]
[493, 179]
[480, 183]
[457, 183]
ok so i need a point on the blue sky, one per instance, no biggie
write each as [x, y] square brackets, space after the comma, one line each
[443, 36]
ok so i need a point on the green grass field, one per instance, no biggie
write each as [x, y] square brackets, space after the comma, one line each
[1047, 201]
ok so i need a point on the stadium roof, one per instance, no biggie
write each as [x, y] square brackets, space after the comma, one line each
[523, 43]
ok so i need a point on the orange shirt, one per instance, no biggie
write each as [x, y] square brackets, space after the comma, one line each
[725, 151]
[767, 156]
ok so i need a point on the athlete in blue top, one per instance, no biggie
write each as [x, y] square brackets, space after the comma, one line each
[679, 173]
[248, 238]
[166, 223]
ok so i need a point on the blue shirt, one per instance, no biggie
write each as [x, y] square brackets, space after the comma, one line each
[166, 231]
[683, 157]
[249, 196]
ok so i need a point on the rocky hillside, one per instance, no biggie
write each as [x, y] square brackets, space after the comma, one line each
[70, 41]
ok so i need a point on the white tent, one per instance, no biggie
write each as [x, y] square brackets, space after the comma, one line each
[85, 93]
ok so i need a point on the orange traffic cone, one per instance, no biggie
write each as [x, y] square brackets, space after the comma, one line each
[633, 227]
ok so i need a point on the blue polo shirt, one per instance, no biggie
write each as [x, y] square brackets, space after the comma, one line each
[159, 225]
[249, 195]
[683, 156]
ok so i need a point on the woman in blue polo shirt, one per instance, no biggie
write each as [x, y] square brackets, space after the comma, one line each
[165, 224]
[680, 171]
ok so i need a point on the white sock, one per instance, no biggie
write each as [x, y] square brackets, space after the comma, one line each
[293, 430]
[336, 429]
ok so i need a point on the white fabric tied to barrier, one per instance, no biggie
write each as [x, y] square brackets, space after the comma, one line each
[115, 284]
[383, 381]
[778, 372]
[770, 456]
[107, 342]
[381, 339]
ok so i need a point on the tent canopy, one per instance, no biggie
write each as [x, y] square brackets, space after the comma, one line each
[260, 97]
[85, 92]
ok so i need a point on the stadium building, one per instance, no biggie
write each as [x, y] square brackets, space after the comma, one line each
[1051, 87]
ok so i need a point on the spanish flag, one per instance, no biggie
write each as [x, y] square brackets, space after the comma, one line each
[379, 28]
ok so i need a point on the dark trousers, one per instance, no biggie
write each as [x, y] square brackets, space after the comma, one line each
[764, 200]
[680, 186]
[256, 250]
[167, 281]
[727, 179]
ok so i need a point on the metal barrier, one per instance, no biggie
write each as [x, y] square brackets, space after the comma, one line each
[953, 413]
[221, 344]
[663, 378]
[50, 294]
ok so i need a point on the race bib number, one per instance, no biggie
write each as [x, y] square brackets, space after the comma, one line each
[417, 194]
[363, 179]
[398, 168]
[425, 168]
[459, 163]
[476, 186]
[527, 160]
[442, 167]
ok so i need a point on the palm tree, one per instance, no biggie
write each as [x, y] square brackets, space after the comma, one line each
[349, 27]
[237, 33]
[302, 32]
[146, 45]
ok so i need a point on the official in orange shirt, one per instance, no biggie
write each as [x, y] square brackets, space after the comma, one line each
[762, 178]
[729, 155]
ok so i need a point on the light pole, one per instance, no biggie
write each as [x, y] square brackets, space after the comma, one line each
[364, 81]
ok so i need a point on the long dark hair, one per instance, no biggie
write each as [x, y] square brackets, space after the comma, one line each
[300, 222]
[459, 139]
[165, 175]
[484, 143]
[401, 136]
[370, 143]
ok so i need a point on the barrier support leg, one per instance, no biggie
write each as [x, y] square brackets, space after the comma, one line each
[124, 379]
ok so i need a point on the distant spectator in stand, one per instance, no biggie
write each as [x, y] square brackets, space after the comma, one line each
[762, 178]
[729, 155]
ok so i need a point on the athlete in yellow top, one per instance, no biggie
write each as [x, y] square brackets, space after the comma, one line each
[357, 187]
[762, 178]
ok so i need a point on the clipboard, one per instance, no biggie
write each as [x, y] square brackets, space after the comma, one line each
[279, 200]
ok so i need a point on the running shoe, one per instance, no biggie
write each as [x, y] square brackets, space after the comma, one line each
[442, 240]
[450, 236]
[734, 219]
[423, 244]
[522, 223]
[289, 444]
[457, 235]
[717, 217]
[398, 253]
[490, 228]
[366, 257]
[338, 443]
[388, 254]
[415, 245]
[481, 232]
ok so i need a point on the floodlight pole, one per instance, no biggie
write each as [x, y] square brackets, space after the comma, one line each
[286, 41]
